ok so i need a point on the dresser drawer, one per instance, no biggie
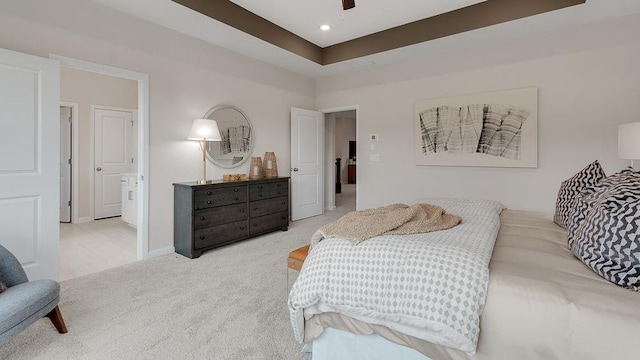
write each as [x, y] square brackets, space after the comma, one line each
[220, 234]
[268, 223]
[268, 206]
[219, 197]
[268, 190]
[220, 215]
[278, 189]
[259, 191]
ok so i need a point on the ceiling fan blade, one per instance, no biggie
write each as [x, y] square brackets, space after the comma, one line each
[348, 4]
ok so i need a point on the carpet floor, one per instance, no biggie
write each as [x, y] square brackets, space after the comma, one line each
[231, 303]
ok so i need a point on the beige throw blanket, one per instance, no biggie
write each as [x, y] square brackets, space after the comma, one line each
[397, 219]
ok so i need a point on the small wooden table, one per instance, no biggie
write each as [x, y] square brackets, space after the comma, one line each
[297, 257]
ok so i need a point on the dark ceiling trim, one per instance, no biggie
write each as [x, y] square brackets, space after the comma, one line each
[242, 19]
[473, 17]
[490, 12]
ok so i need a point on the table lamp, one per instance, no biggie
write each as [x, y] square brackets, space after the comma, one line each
[204, 130]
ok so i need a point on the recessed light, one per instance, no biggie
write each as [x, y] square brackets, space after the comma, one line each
[325, 27]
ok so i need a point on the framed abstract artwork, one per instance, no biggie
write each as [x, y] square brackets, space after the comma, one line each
[498, 129]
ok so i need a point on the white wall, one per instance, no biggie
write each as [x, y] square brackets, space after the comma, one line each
[86, 89]
[187, 77]
[588, 80]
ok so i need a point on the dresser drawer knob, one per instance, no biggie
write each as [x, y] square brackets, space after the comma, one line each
[255, 208]
[284, 203]
[255, 225]
[235, 190]
[208, 202]
[241, 210]
[201, 217]
[259, 186]
[208, 192]
[236, 198]
[201, 237]
[279, 192]
[241, 227]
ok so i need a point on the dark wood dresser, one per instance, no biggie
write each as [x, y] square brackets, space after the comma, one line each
[221, 213]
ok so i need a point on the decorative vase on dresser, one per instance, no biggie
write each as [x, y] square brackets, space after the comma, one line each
[221, 213]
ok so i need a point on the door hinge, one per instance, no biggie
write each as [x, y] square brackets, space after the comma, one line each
[69, 161]
[69, 203]
[132, 160]
[132, 123]
[141, 177]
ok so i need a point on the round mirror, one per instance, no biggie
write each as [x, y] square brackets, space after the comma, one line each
[237, 137]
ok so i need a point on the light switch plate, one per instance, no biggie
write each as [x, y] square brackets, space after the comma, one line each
[374, 137]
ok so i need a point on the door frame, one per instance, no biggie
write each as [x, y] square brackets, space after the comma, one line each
[143, 171]
[331, 149]
[74, 160]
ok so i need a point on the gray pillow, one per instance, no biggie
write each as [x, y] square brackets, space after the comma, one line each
[607, 238]
[585, 179]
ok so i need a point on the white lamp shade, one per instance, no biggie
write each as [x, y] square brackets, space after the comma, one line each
[629, 141]
[206, 129]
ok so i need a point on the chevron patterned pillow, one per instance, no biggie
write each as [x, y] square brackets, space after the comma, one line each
[607, 237]
[585, 179]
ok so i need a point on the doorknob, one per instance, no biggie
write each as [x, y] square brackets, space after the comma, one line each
[99, 169]
[295, 169]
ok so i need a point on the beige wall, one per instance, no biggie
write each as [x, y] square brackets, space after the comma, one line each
[86, 89]
[588, 80]
[187, 77]
[345, 130]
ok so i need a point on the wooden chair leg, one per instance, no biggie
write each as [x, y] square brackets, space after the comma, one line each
[56, 318]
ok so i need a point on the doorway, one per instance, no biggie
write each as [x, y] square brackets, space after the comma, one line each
[134, 154]
[318, 151]
[341, 136]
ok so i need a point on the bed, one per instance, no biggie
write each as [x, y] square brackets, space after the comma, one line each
[541, 303]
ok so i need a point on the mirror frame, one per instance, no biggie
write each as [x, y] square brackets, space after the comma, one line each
[251, 140]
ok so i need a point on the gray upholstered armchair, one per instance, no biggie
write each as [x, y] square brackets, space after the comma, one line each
[24, 302]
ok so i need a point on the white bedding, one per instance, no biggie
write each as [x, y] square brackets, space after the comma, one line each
[542, 303]
[430, 286]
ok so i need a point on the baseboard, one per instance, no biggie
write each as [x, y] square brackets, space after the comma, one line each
[330, 208]
[85, 219]
[161, 252]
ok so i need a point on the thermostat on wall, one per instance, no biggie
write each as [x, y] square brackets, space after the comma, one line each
[374, 137]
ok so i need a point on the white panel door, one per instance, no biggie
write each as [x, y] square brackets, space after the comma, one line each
[65, 164]
[29, 161]
[112, 157]
[307, 164]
